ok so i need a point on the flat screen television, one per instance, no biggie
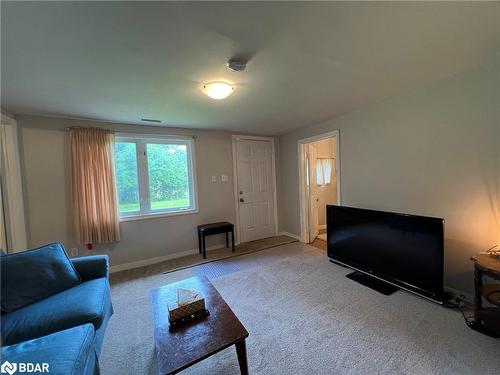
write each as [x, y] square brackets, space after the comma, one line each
[404, 250]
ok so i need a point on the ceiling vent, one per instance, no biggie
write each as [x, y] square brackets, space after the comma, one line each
[237, 64]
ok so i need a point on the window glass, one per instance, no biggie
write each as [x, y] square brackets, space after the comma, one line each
[127, 180]
[168, 176]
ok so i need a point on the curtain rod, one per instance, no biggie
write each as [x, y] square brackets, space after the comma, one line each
[131, 132]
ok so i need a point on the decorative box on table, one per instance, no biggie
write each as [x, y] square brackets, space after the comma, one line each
[189, 306]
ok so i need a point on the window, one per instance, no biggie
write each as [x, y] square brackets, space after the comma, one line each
[154, 176]
[323, 171]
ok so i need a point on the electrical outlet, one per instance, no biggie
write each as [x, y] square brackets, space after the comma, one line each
[73, 252]
[224, 178]
[214, 179]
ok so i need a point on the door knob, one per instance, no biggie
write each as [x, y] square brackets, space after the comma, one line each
[242, 200]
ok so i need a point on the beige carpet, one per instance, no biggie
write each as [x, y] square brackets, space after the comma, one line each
[177, 264]
[305, 317]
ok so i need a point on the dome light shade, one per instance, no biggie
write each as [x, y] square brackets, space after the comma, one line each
[217, 90]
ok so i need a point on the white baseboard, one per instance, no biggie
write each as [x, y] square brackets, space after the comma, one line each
[289, 235]
[150, 261]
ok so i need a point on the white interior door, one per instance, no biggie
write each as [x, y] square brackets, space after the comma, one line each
[255, 187]
[313, 194]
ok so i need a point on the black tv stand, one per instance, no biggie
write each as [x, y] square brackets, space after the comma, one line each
[373, 283]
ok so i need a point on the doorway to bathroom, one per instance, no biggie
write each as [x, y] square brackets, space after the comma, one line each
[319, 175]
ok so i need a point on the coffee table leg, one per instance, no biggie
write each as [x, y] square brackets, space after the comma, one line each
[241, 351]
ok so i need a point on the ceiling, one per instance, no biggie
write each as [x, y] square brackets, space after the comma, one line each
[123, 61]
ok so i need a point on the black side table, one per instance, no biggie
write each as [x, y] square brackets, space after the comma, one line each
[214, 228]
[486, 320]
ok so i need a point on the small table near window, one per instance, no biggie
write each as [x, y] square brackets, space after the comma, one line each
[214, 228]
[487, 265]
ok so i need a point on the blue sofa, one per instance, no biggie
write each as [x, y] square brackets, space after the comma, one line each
[65, 329]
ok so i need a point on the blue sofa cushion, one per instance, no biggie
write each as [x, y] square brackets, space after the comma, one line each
[88, 302]
[68, 352]
[32, 275]
[91, 266]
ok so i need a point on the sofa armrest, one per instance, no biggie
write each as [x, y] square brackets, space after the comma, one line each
[92, 266]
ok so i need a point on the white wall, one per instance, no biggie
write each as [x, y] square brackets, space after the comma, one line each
[47, 192]
[433, 151]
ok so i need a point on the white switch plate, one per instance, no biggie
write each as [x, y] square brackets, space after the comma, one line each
[214, 178]
[224, 178]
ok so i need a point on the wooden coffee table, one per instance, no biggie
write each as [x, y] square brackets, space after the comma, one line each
[181, 347]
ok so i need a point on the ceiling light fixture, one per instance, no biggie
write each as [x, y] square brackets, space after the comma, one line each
[217, 90]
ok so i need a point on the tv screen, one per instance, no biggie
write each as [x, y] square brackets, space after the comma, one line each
[405, 250]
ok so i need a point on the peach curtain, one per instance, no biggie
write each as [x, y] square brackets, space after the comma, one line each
[94, 199]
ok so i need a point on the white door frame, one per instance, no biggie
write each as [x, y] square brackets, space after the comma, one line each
[303, 189]
[15, 224]
[236, 138]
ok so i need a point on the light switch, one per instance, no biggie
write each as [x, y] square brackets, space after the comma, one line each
[214, 179]
[224, 178]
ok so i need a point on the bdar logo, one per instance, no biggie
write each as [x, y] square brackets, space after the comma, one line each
[9, 368]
